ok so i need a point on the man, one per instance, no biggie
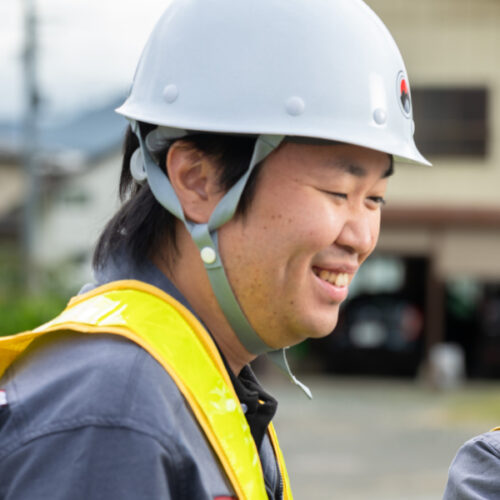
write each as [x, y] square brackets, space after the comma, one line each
[262, 137]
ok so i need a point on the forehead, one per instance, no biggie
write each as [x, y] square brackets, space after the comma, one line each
[338, 158]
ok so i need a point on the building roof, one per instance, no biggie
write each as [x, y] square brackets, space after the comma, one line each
[89, 135]
[65, 148]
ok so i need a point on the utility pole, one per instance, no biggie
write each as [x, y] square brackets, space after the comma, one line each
[30, 146]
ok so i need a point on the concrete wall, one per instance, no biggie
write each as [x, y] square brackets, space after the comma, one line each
[12, 186]
[72, 219]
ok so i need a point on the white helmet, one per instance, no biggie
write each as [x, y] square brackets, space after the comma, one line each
[325, 69]
[320, 69]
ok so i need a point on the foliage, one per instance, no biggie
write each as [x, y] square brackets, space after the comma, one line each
[19, 313]
[20, 310]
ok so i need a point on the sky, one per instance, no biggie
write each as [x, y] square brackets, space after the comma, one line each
[88, 50]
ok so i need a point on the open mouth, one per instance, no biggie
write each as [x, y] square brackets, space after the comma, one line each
[337, 279]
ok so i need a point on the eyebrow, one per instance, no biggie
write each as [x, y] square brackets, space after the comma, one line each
[360, 171]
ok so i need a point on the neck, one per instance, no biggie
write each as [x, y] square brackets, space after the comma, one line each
[188, 274]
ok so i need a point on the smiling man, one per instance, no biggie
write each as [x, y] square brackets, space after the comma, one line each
[262, 136]
[313, 219]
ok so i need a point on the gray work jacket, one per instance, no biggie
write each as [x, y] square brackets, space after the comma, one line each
[96, 417]
[475, 471]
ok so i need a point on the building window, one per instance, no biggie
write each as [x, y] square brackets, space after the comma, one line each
[451, 121]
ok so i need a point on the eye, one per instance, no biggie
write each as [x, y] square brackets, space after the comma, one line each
[376, 201]
[343, 196]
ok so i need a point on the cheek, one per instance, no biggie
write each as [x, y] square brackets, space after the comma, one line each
[374, 228]
[324, 225]
[303, 227]
[375, 225]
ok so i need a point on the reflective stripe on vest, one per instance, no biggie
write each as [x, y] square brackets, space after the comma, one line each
[150, 317]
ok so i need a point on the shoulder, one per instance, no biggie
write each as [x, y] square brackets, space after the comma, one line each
[73, 395]
[484, 447]
[475, 470]
[66, 380]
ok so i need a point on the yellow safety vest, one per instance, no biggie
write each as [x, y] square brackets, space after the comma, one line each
[178, 341]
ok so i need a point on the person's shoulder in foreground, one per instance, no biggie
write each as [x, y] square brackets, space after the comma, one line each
[104, 405]
[475, 471]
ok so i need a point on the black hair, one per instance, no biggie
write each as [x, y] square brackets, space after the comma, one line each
[142, 226]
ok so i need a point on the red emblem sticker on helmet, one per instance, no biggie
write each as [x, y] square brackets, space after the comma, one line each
[403, 90]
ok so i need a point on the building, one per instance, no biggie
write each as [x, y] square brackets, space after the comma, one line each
[78, 165]
[440, 239]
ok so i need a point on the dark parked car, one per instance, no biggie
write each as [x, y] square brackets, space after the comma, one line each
[376, 334]
[487, 359]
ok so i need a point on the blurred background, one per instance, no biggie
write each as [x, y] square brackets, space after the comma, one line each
[65, 66]
[418, 342]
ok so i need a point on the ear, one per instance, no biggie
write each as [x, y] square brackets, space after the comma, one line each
[194, 178]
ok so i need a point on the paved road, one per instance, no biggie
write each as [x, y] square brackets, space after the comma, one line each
[372, 439]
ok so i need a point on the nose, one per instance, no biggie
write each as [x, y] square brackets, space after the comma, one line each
[360, 232]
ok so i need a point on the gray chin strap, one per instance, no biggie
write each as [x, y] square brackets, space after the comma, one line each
[205, 235]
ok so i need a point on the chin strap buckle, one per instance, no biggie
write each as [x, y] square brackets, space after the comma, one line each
[279, 359]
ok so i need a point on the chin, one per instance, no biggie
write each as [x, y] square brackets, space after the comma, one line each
[317, 330]
[299, 328]
[324, 328]
[321, 334]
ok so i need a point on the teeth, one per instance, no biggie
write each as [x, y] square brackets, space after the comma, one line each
[332, 278]
[324, 275]
[340, 279]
